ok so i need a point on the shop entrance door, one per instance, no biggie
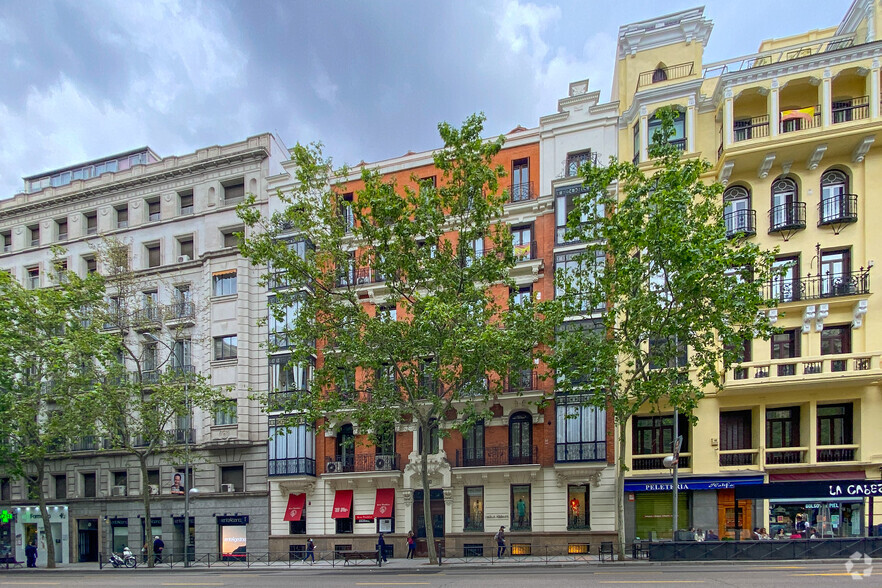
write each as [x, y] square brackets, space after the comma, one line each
[726, 515]
[87, 540]
[436, 507]
[59, 545]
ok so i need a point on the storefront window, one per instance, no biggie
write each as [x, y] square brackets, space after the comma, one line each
[822, 519]
[577, 508]
[120, 528]
[232, 539]
[520, 507]
[474, 508]
[654, 511]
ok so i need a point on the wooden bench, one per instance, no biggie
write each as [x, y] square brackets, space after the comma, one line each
[358, 555]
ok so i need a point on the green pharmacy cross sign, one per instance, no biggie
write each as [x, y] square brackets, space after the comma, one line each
[6, 516]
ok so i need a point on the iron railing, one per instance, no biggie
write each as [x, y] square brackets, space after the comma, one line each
[751, 128]
[522, 192]
[829, 285]
[789, 216]
[838, 210]
[180, 311]
[802, 121]
[291, 466]
[580, 451]
[847, 110]
[497, 456]
[379, 462]
[656, 463]
[674, 72]
[740, 222]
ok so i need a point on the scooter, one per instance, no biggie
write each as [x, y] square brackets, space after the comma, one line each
[127, 559]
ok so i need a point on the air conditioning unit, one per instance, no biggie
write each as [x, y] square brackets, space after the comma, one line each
[118, 491]
[334, 467]
[183, 258]
[384, 462]
[153, 489]
[228, 488]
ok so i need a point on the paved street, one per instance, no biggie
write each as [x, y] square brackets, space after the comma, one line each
[747, 574]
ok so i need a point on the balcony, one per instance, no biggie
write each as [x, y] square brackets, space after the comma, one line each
[180, 312]
[525, 251]
[147, 318]
[800, 119]
[89, 443]
[740, 222]
[522, 192]
[497, 456]
[787, 218]
[576, 452]
[291, 466]
[751, 128]
[655, 462]
[786, 455]
[278, 400]
[380, 462]
[816, 287]
[833, 453]
[182, 436]
[837, 211]
[853, 109]
[738, 457]
[657, 76]
[822, 367]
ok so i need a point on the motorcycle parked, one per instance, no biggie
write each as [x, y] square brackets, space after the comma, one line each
[127, 559]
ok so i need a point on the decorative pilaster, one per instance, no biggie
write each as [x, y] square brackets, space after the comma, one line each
[644, 129]
[774, 109]
[728, 118]
[690, 125]
[826, 99]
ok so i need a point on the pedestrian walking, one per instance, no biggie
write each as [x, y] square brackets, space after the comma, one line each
[145, 549]
[158, 546]
[31, 554]
[381, 546]
[411, 545]
[500, 541]
[310, 550]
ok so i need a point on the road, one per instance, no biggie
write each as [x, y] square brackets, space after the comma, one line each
[748, 575]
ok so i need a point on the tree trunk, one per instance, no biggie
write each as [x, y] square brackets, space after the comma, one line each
[145, 495]
[620, 492]
[425, 434]
[44, 512]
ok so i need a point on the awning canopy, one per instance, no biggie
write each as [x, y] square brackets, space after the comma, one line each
[342, 504]
[385, 504]
[294, 511]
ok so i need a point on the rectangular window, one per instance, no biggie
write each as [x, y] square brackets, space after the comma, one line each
[736, 434]
[226, 412]
[185, 248]
[234, 192]
[835, 273]
[182, 356]
[232, 540]
[786, 346]
[61, 229]
[347, 217]
[581, 429]
[474, 509]
[782, 427]
[122, 216]
[574, 273]
[522, 241]
[564, 205]
[154, 255]
[835, 423]
[224, 283]
[185, 202]
[655, 434]
[575, 162]
[5, 489]
[577, 508]
[33, 278]
[91, 223]
[281, 320]
[232, 478]
[230, 238]
[89, 485]
[521, 296]
[6, 241]
[520, 507]
[520, 180]
[91, 264]
[60, 483]
[154, 212]
[226, 347]
[786, 285]
[291, 450]
[836, 339]
[667, 353]
[34, 234]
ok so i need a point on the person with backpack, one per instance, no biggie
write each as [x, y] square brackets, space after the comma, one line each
[500, 542]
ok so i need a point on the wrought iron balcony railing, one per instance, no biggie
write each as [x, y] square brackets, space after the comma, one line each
[379, 462]
[497, 456]
[657, 76]
[787, 217]
[522, 192]
[829, 285]
[291, 466]
[838, 210]
[580, 451]
[740, 222]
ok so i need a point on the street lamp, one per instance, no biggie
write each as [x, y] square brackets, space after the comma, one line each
[672, 462]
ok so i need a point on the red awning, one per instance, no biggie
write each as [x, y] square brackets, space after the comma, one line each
[296, 502]
[385, 504]
[342, 504]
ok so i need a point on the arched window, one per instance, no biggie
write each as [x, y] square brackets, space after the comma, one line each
[834, 188]
[520, 438]
[346, 447]
[738, 215]
[660, 74]
[785, 198]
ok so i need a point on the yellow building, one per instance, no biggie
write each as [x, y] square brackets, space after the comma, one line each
[790, 131]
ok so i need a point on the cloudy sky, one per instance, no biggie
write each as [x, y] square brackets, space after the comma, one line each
[80, 80]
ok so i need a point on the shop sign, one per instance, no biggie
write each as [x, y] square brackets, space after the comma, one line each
[691, 484]
[840, 489]
[232, 520]
[119, 522]
[364, 518]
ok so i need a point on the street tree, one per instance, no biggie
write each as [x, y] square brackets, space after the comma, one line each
[149, 387]
[47, 372]
[436, 338]
[670, 299]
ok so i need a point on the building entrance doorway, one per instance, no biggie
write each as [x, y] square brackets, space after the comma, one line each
[87, 540]
[436, 507]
